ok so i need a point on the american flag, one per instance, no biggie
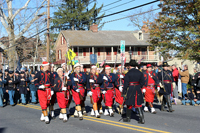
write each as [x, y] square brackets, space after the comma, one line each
[140, 60]
[103, 63]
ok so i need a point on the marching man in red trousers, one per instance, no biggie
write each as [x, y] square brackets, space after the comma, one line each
[43, 81]
[151, 80]
[61, 87]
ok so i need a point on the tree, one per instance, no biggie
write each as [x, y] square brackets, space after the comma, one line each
[177, 28]
[75, 15]
[140, 20]
[7, 18]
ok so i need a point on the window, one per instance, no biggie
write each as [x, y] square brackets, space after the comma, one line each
[135, 52]
[62, 40]
[140, 36]
[59, 54]
[80, 51]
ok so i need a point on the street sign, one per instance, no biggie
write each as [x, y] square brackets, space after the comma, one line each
[93, 58]
[70, 54]
[122, 46]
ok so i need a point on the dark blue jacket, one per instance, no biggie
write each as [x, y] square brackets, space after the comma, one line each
[31, 84]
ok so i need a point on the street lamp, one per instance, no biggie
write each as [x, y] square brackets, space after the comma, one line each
[130, 52]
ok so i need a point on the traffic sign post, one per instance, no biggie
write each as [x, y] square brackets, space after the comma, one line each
[122, 50]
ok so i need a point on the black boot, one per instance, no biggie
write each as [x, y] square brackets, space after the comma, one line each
[169, 104]
[141, 116]
[128, 115]
[163, 104]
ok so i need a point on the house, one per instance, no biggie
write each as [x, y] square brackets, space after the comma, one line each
[104, 44]
[179, 62]
[26, 51]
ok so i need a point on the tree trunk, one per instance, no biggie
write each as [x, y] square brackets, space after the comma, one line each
[11, 51]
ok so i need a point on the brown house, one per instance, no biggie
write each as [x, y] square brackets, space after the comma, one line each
[26, 50]
[105, 45]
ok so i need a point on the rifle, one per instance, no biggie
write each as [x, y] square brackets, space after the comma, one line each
[91, 99]
[65, 82]
[104, 86]
[76, 83]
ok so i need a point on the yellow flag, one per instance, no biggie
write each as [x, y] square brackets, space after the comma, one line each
[70, 54]
[97, 65]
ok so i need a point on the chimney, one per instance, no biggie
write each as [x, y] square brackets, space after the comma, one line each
[94, 27]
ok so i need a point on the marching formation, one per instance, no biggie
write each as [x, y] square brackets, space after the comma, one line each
[127, 87]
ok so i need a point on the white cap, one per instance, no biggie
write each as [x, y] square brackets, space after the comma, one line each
[52, 64]
[59, 69]
[62, 64]
[93, 66]
[77, 65]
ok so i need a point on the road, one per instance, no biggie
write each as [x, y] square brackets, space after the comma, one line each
[26, 119]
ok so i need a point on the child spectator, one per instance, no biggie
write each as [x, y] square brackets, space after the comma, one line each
[189, 99]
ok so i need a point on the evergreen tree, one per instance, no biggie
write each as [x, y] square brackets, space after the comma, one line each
[75, 15]
[177, 28]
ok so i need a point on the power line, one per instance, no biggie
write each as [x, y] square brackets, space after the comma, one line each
[117, 6]
[102, 17]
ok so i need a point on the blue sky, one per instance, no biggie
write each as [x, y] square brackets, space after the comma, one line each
[122, 24]
[116, 25]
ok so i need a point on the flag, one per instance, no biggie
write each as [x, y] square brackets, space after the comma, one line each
[103, 63]
[18, 65]
[124, 62]
[140, 60]
[70, 54]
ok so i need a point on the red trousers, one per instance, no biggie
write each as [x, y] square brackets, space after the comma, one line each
[109, 98]
[118, 98]
[149, 94]
[62, 101]
[96, 94]
[44, 98]
[76, 97]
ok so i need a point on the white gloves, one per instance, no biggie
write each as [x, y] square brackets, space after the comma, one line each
[174, 85]
[121, 76]
[67, 75]
[41, 87]
[114, 71]
[90, 93]
[161, 85]
[104, 92]
[77, 90]
[64, 88]
[143, 90]
[195, 84]
[121, 88]
[91, 80]
[105, 78]
[52, 92]
[76, 80]
[158, 88]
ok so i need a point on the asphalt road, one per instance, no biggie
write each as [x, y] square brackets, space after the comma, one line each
[26, 119]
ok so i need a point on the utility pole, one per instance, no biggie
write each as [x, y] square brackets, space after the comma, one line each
[48, 20]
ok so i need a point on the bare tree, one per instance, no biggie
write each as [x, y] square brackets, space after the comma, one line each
[7, 20]
[140, 20]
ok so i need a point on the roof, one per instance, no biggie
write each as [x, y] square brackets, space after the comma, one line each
[103, 38]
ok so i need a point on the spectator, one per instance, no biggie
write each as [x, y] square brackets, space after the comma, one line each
[175, 74]
[184, 80]
[144, 68]
[32, 88]
[197, 84]
[193, 80]
[189, 99]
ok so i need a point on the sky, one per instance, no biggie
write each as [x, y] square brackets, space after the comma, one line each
[124, 23]
[110, 7]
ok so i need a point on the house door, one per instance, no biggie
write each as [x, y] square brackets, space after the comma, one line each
[108, 54]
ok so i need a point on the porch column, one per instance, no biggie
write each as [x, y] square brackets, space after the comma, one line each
[148, 53]
[112, 53]
[92, 50]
